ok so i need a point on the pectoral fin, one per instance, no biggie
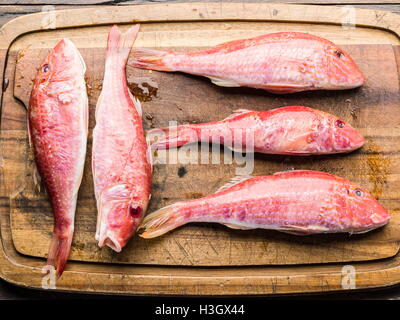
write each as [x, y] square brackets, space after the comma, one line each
[282, 88]
[224, 83]
[236, 226]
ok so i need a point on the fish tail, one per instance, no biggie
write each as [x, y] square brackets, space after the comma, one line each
[161, 221]
[149, 59]
[120, 44]
[59, 251]
[172, 137]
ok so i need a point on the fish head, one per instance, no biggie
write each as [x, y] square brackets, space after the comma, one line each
[119, 217]
[365, 212]
[343, 136]
[343, 73]
[60, 65]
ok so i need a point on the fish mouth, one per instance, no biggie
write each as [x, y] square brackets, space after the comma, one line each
[373, 227]
[357, 142]
[380, 219]
[348, 139]
[353, 83]
[346, 86]
[109, 241]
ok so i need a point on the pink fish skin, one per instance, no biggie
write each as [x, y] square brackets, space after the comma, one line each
[298, 202]
[58, 128]
[283, 62]
[293, 130]
[120, 160]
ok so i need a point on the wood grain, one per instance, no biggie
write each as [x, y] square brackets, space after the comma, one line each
[376, 166]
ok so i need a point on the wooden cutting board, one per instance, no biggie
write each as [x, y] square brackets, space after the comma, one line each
[235, 259]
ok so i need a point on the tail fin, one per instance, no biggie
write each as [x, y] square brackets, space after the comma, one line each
[149, 59]
[161, 221]
[121, 43]
[59, 251]
[173, 137]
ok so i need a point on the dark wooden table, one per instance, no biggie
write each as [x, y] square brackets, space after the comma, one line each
[10, 9]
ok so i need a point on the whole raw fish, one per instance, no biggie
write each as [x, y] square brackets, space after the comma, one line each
[298, 202]
[120, 158]
[58, 126]
[292, 130]
[283, 62]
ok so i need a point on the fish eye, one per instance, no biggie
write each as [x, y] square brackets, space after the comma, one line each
[339, 123]
[46, 68]
[135, 211]
[338, 53]
[358, 192]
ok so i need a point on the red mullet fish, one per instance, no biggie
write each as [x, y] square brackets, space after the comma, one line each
[120, 158]
[58, 128]
[297, 202]
[283, 62]
[292, 130]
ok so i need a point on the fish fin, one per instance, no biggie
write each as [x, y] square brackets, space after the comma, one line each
[86, 109]
[238, 149]
[59, 251]
[161, 221]
[149, 155]
[37, 180]
[237, 113]
[282, 88]
[149, 59]
[234, 181]
[296, 233]
[173, 137]
[137, 104]
[120, 44]
[98, 104]
[303, 231]
[28, 127]
[224, 83]
[299, 143]
[362, 231]
[236, 226]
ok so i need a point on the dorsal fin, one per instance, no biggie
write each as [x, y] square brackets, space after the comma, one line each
[234, 181]
[238, 112]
